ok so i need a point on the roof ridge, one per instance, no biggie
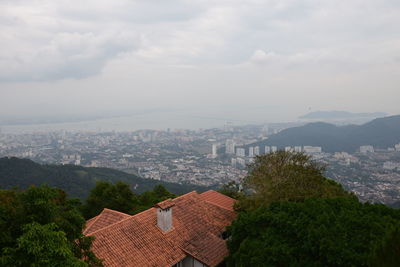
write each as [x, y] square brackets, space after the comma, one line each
[115, 211]
[187, 194]
[123, 220]
[133, 216]
[90, 224]
[94, 221]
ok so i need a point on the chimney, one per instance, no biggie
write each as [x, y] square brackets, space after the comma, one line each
[164, 215]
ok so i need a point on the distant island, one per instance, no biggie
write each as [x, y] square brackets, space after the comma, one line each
[381, 133]
[331, 115]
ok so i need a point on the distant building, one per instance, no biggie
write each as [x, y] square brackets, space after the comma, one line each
[312, 149]
[233, 162]
[367, 149]
[214, 153]
[230, 146]
[389, 165]
[267, 149]
[251, 152]
[240, 152]
[241, 162]
[397, 147]
[298, 149]
[274, 149]
[256, 150]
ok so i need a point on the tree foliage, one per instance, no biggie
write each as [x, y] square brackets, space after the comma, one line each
[120, 197]
[286, 176]
[316, 232]
[37, 215]
[231, 189]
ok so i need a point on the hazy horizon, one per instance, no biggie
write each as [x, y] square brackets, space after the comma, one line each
[245, 61]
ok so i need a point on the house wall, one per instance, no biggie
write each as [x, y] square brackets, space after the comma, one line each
[191, 262]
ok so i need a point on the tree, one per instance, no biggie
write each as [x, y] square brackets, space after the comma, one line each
[316, 232]
[286, 176]
[231, 189]
[29, 217]
[41, 245]
[106, 195]
[149, 198]
[121, 198]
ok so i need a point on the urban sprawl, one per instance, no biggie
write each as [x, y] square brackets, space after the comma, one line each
[208, 157]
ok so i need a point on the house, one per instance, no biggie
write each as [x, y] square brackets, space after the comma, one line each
[180, 232]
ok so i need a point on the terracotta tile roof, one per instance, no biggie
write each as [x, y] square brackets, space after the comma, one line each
[137, 240]
[105, 218]
[165, 204]
[218, 199]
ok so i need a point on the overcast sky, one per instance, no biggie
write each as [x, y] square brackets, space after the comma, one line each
[266, 57]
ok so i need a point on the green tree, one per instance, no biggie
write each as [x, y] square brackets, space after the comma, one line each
[316, 232]
[149, 198]
[113, 196]
[41, 245]
[24, 215]
[231, 189]
[286, 176]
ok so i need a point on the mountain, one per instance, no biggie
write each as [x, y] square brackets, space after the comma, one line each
[76, 181]
[340, 115]
[382, 132]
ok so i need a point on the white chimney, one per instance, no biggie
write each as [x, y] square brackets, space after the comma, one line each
[164, 215]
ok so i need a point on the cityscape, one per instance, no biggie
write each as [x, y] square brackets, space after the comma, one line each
[206, 157]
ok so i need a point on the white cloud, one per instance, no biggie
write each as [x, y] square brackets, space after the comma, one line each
[164, 52]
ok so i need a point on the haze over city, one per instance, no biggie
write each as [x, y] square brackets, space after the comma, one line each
[250, 61]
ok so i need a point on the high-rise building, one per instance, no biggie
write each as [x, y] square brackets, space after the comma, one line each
[251, 152]
[241, 162]
[214, 151]
[274, 149]
[297, 149]
[397, 147]
[240, 152]
[256, 150]
[229, 146]
[233, 162]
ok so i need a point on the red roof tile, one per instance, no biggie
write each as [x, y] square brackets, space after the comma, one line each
[137, 240]
[218, 199]
[105, 218]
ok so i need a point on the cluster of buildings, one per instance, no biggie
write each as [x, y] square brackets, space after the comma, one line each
[208, 157]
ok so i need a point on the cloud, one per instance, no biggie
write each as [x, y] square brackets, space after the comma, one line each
[52, 40]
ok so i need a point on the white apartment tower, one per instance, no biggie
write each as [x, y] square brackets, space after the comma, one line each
[229, 146]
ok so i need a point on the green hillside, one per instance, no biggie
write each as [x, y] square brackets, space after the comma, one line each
[77, 181]
[382, 133]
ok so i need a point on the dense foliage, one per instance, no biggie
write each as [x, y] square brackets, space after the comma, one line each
[120, 197]
[41, 227]
[286, 176]
[291, 215]
[316, 232]
[76, 181]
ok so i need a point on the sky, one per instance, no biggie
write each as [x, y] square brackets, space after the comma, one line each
[245, 59]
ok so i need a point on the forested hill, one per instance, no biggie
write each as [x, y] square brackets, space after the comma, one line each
[76, 181]
[382, 132]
